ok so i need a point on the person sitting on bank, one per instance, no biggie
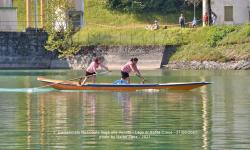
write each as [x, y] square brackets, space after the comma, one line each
[154, 26]
[128, 67]
[91, 70]
[194, 23]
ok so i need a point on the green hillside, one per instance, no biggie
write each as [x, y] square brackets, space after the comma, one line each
[219, 43]
[97, 13]
[104, 26]
[107, 27]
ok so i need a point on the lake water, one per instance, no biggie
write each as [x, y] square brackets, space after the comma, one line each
[216, 116]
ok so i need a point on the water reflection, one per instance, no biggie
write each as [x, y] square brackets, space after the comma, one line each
[29, 121]
[230, 111]
[164, 111]
[218, 112]
[89, 106]
[123, 98]
[205, 124]
[42, 121]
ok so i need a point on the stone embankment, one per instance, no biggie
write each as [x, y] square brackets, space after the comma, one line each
[25, 50]
[150, 57]
[209, 65]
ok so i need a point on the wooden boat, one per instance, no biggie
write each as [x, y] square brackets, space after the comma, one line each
[72, 85]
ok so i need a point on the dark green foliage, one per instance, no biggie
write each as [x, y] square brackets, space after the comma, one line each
[60, 40]
[246, 30]
[162, 6]
[217, 33]
[62, 43]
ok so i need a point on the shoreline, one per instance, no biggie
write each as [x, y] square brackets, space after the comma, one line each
[208, 65]
[174, 65]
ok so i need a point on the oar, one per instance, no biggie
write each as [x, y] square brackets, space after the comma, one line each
[70, 80]
[143, 79]
[104, 72]
[62, 82]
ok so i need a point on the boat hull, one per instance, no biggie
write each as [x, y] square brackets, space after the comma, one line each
[71, 85]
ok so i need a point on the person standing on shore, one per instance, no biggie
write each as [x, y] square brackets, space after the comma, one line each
[214, 18]
[91, 70]
[205, 19]
[182, 21]
[128, 67]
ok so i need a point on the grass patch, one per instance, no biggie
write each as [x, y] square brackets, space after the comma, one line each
[110, 36]
[197, 52]
[241, 35]
[97, 13]
[106, 27]
[217, 33]
[216, 43]
[200, 52]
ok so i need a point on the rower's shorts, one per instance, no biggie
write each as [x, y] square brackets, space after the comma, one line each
[124, 75]
[89, 74]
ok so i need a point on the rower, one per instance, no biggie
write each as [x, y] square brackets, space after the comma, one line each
[91, 70]
[128, 67]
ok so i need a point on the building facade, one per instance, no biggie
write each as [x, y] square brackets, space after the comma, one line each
[231, 12]
[74, 15]
[6, 3]
[77, 14]
[8, 16]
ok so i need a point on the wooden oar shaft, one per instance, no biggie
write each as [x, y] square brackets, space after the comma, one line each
[69, 80]
[65, 81]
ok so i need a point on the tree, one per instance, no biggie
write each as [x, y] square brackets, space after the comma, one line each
[145, 5]
[60, 28]
[195, 3]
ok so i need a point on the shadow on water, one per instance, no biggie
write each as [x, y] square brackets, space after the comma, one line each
[32, 72]
[26, 90]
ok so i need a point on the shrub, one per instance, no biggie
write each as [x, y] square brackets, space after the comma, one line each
[246, 30]
[217, 33]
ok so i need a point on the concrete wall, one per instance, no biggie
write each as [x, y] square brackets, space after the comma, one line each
[26, 50]
[150, 57]
[79, 5]
[8, 19]
[240, 10]
[5, 3]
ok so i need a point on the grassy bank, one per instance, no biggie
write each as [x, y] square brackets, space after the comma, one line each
[218, 43]
[128, 36]
[97, 13]
[107, 27]
[104, 26]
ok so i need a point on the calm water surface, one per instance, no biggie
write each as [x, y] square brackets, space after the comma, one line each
[216, 116]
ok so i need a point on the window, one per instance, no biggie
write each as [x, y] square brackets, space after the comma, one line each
[76, 18]
[228, 13]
